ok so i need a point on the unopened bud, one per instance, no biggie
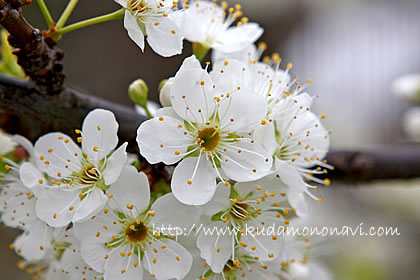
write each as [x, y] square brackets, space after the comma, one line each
[138, 91]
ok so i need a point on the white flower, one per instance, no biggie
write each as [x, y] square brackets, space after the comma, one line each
[302, 143]
[121, 242]
[79, 177]
[152, 18]
[249, 208]
[17, 202]
[291, 132]
[61, 259]
[407, 87]
[207, 130]
[206, 23]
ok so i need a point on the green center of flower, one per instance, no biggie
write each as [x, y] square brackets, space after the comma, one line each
[136, 232]
[208, 138]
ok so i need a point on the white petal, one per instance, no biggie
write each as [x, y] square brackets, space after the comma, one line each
[231, 111]
[298, 202]
[34, 243]
[172, 213]
[57, 153]
[91, 204]
[167, 111]
[99, 132]
[290, 176]
[164, 38]
[229, 74]
[190, 23]
[31, 177]
[189, 63]
[94, 255]
[267, 184]
[53, 206]
[262, 245]
[173, 262]
[212, 242]
[115, 164]
[118, 267]
[246, 55]
[314, 146]
[132, 188]
[203, 185]
[88, 230]
[75, 267]
[219, 202]
[18, 209]
[246, 161]
[133, 29]
[239, 37]
[162, 139]
[264, 135]
[192, 95]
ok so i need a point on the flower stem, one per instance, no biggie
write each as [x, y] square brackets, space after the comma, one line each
[66, 14]
[45, 12]
[112, 16]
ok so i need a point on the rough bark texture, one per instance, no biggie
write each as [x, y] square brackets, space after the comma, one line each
[37, 55]
[63, 112]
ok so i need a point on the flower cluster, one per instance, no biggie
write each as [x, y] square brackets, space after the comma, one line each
[246, 148]
[206, 24]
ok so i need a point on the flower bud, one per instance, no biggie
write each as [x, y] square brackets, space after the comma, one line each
[408, 87]
[138, 91]
[165, 90]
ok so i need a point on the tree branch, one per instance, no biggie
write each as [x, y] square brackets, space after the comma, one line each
[63, 112]
[37, 55]
[66, 111]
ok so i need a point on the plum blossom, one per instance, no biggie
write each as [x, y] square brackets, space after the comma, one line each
[123, 241]
[256, 206]
[291, 132]
[61, 260]
[78, 178]
[153, 19]
[207, 130]
[208, 26]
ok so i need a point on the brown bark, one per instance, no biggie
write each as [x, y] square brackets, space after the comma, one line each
[37, 55]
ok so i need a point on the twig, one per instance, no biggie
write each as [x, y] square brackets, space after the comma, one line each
[38, 56]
